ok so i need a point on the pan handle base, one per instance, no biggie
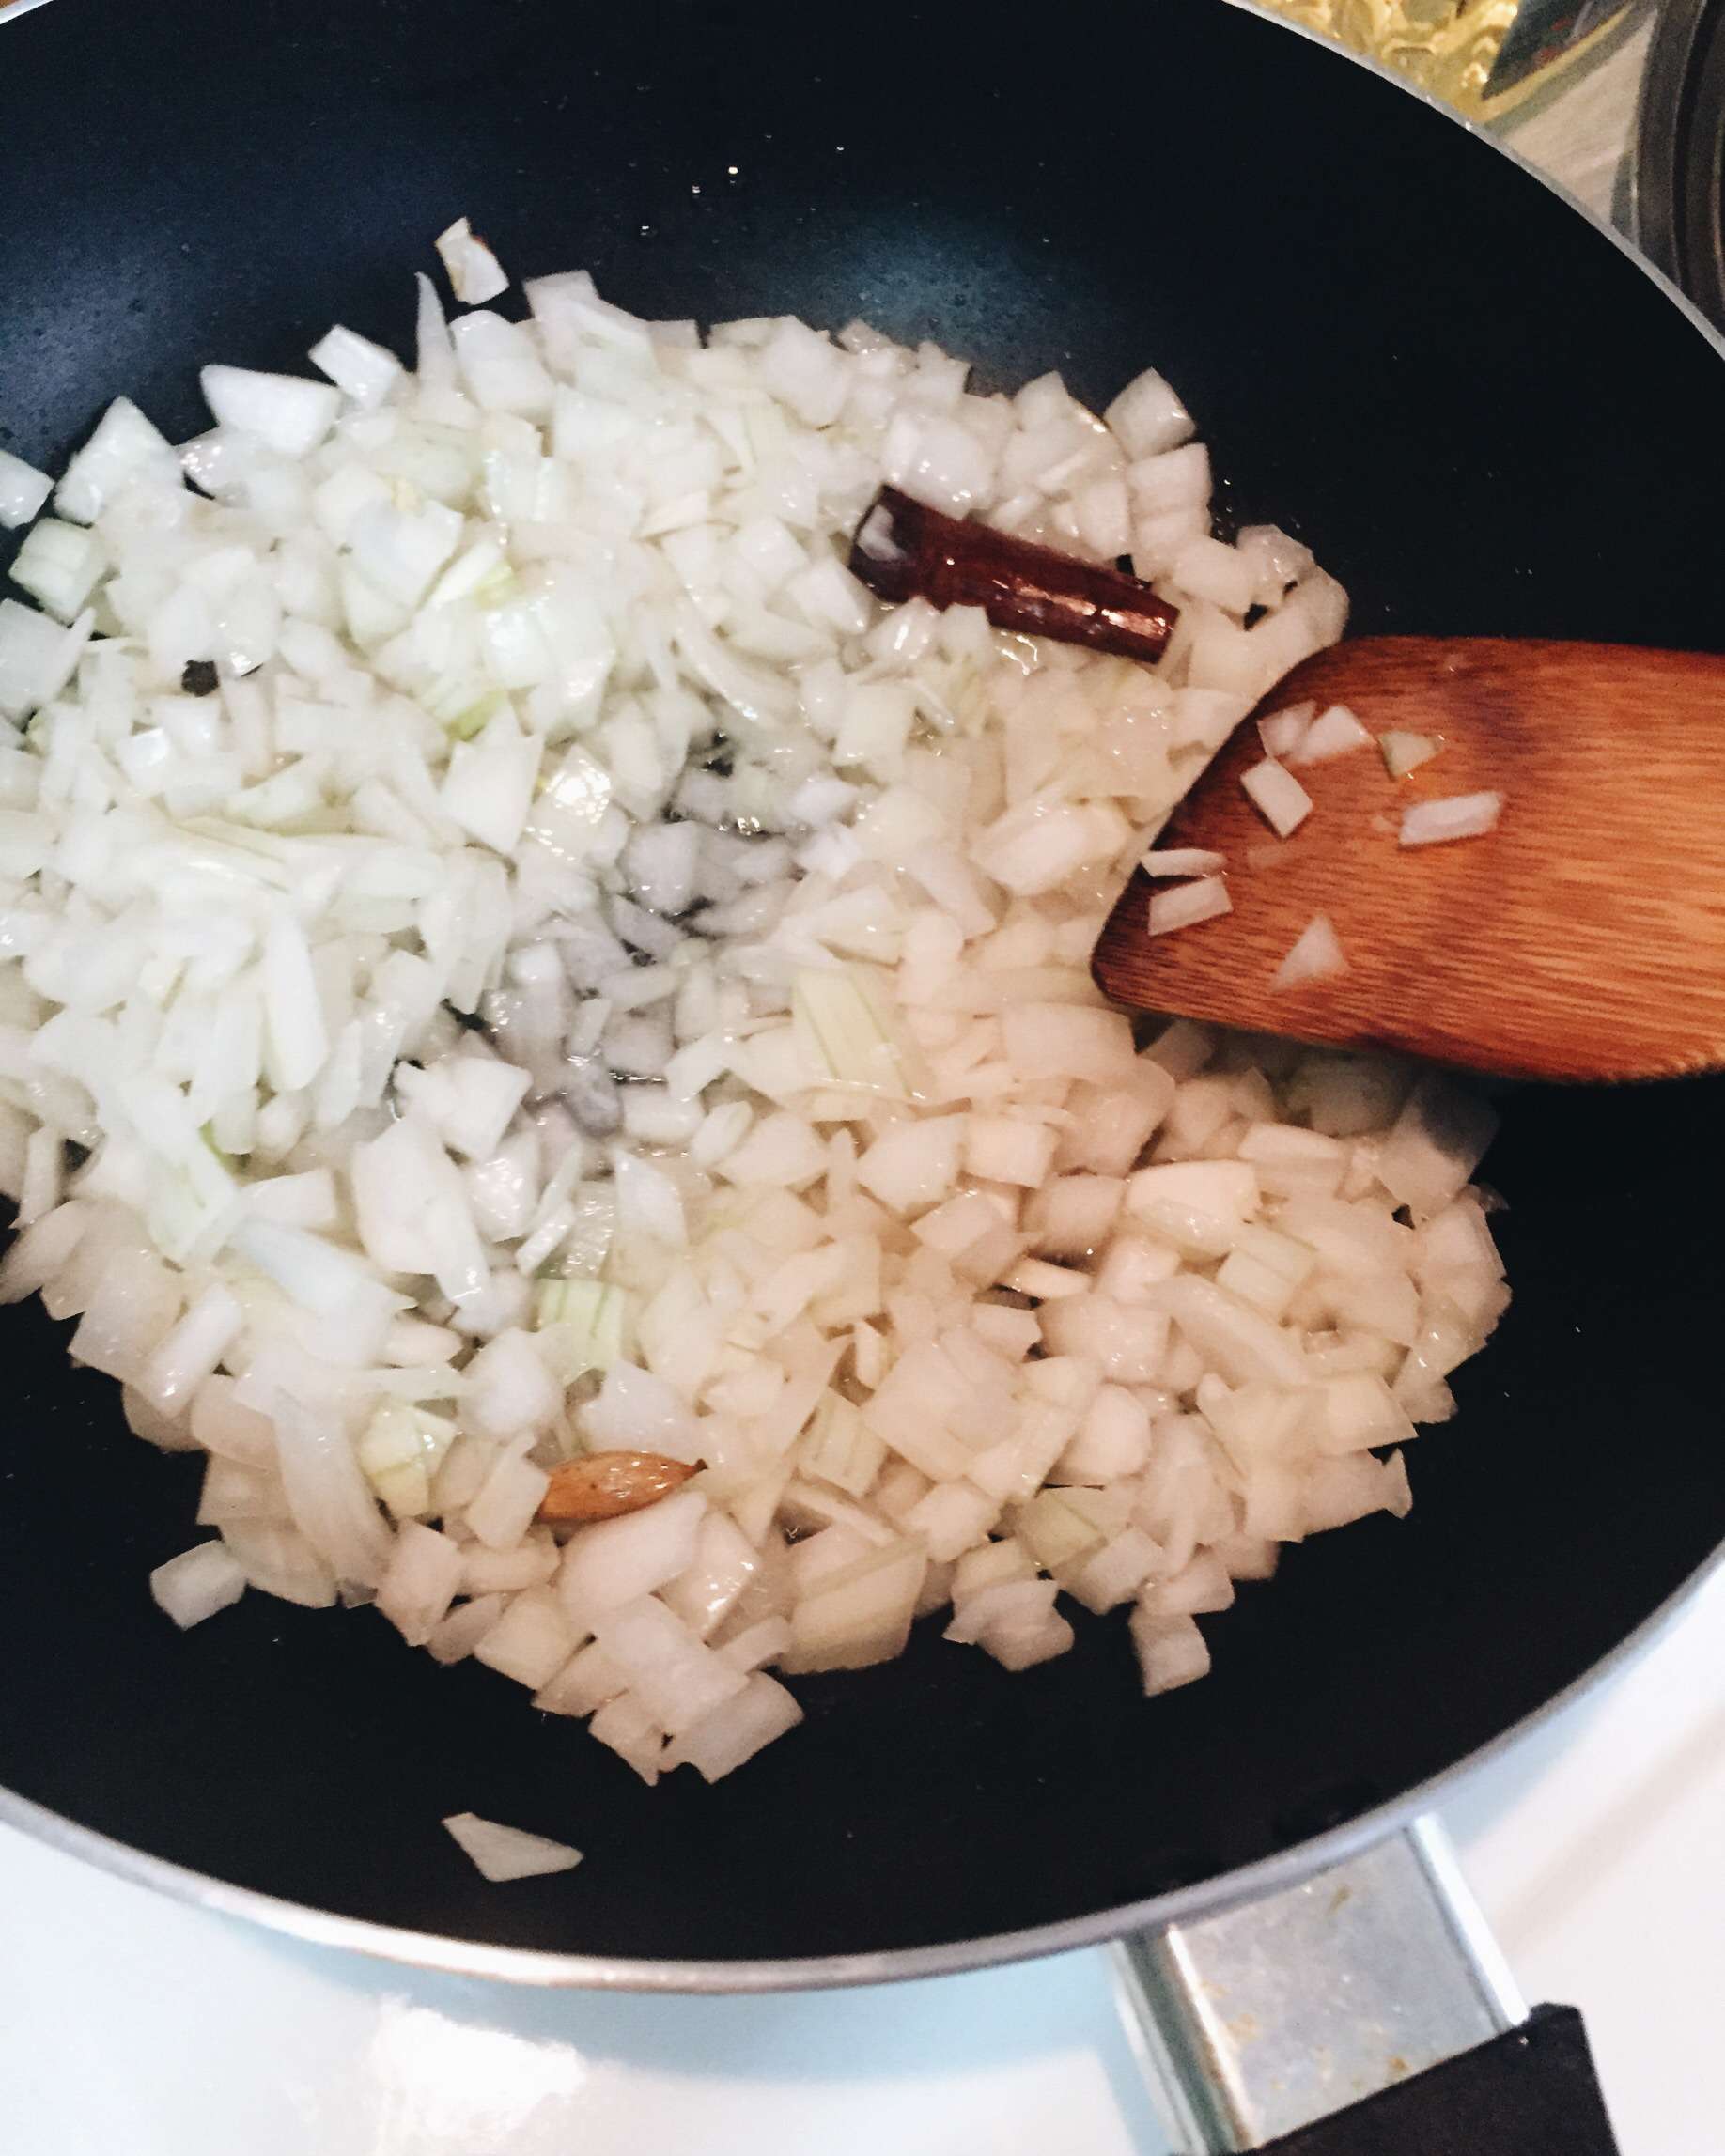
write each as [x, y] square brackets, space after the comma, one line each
[1335, 2017]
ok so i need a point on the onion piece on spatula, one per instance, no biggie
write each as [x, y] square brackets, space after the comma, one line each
[1572, 925]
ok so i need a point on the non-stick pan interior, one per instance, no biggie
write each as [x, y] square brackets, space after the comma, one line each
[1481, 414]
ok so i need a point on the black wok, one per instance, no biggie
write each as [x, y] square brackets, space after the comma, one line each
[1482, 414]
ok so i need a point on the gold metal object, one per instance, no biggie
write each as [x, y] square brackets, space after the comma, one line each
[1482, 56]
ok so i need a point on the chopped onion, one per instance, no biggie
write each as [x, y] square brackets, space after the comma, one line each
[1187, 904]
[1053, 1041]
[360, 369]
[636, 1411]
[1147, 417]
[1435, 1145]
[1171, 1651]
[1281, 799]
[285, 412]
[333, 1506]
[1183, 861]
[617, 1561]
[1332, 733]
[1457, 816]
[915, 1164]
[519, 952]
[730, 1735]
[674, 1677]
[197, 1583]
[462, 1630]
[189, 1352]
[530, 1641]
[419, 1582]
[1281, 732]
[435, 356]
[860, 1613]
[31, 648]
[59, 565]
[502, 1852]
[22, 490]
[852, 1031]
[124, 450]
[625, 1726]
[474, 273]
[587, 1324]
[1315, 954]
[1404, 753]
[509, 1391]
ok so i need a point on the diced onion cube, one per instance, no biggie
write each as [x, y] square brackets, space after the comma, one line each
[1277, 794]
[502, 1852]
[197, 1583]
[1183, 861]
[1332, 733]
[1315, 955]
[1281, 732]
[475, 275]
[22, 490]
[1404, 753]
[1456, 816]
[1187, 904]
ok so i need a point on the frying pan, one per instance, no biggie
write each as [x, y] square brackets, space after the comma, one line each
[1482, 414]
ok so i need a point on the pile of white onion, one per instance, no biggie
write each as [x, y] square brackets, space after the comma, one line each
[510, 949]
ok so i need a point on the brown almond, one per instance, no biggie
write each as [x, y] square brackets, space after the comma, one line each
[605, 1485]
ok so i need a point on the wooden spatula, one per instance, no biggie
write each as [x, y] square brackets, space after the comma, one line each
[1584, 938]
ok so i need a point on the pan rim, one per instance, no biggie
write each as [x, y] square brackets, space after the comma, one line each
[546, 1969]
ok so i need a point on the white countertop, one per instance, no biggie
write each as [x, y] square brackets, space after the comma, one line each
[132, 2026]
